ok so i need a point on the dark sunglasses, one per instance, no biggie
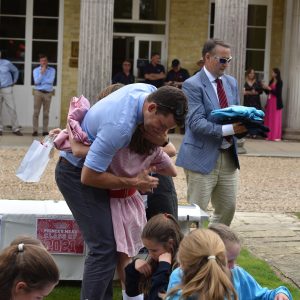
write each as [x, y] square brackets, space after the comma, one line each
[179, 111]
[223, 60]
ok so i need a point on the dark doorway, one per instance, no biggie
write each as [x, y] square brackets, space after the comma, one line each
[123, 47]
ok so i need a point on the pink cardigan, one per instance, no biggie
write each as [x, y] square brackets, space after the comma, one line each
[77, 110]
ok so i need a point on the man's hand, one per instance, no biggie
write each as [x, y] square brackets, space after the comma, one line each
[143, 267]
[239, 128]
[43, 69]
[146, 182]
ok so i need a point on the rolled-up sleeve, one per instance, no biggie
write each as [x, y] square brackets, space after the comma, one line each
[108, 141]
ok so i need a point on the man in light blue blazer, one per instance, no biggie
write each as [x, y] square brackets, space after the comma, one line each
[208, 151]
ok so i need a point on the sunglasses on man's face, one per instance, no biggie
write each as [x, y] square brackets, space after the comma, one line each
[178, 111]
[223, 60]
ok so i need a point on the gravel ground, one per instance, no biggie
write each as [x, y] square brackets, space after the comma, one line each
[266, 184]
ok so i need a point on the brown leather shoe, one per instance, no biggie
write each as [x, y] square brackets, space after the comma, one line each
[1, 132]
[35, 133]
[18, 132]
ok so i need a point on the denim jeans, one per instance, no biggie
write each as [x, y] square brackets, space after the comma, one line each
[91, 210]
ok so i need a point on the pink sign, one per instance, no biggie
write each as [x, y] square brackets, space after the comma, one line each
[60, 236]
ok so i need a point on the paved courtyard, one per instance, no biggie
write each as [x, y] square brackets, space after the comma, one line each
[269, 194]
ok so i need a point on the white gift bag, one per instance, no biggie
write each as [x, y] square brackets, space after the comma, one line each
[35, 161]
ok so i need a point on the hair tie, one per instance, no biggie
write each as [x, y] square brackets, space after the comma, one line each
[211, 257]
[21, 247]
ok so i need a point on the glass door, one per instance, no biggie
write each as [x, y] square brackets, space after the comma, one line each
[144, 46]
[30, 28]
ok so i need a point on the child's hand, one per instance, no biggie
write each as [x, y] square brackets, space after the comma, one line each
[167, 257]
[281, 296]
[143, 267]
[54, 132]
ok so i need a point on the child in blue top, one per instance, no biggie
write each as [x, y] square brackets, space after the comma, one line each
[245, 285]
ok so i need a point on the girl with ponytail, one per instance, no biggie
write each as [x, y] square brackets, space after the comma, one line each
[203, 272]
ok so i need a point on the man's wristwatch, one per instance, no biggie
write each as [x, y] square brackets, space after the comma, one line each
[166, 143]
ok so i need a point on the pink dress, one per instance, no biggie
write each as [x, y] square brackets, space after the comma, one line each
[273, 117]
[128, 214]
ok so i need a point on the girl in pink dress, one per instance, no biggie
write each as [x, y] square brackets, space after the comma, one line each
[127, 206]
[273, 112]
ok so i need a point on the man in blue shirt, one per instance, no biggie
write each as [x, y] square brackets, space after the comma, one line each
[110, 124]
[43, 77]
[8, 77]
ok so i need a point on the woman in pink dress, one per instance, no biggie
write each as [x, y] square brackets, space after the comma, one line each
[273, 111]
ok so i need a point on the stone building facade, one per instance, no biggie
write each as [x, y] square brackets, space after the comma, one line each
[175, 28]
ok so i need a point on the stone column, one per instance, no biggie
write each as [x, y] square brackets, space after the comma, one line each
[95, 47]
[291, 105]
[231, 26]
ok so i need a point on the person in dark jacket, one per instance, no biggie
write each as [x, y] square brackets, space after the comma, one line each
[148, 279]
[252, 90]
[125, 76]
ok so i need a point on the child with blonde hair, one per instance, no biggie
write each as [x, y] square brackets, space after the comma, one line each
[203, 272]
[245, 285]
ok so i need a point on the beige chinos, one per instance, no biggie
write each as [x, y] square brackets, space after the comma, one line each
[219, 186]
[41, 98]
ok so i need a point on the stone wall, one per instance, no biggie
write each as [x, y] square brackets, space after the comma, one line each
[277, 34]
[188, 30]
[69, 67]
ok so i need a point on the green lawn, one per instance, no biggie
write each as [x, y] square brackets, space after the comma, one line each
[259, 269]
[262, 272]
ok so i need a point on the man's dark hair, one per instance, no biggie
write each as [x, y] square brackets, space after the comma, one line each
[43, 56]
[211, 44]
[154, 53]
[127, 60]
[170, 99]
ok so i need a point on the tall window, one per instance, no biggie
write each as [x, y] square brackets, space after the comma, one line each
[256, 36]
[20, 42]
[45, 31]
[12, 33]
[140, 16]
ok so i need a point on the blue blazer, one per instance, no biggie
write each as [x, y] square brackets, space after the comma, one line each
[199, 150]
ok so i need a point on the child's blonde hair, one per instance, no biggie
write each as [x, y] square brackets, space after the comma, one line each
[202, 257]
